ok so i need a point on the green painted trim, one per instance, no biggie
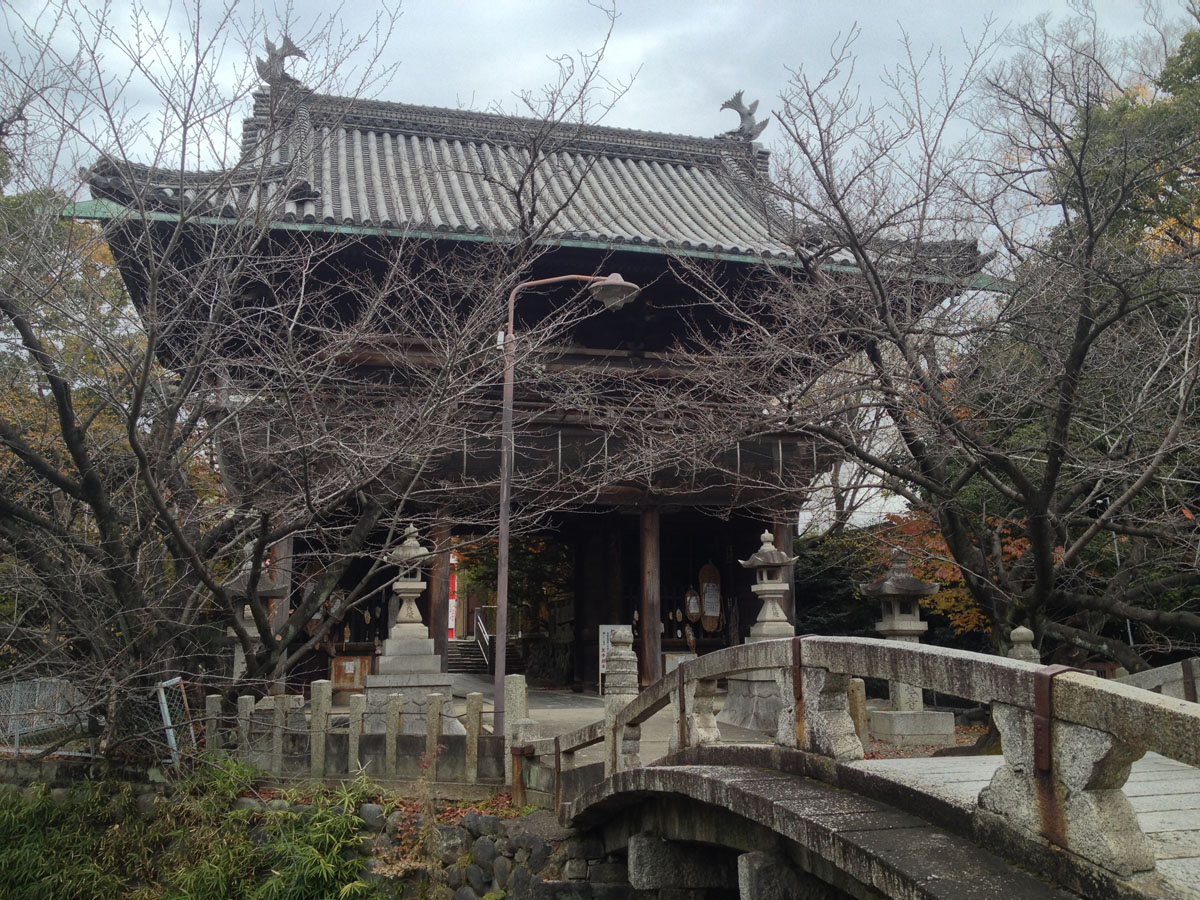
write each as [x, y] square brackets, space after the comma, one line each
[108, 210]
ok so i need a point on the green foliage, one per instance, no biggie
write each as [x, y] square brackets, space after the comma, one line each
[95, 844]
[828, 572]
[541, 571]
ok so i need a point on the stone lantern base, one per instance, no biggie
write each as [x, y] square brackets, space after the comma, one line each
[409, 666]
[754, 699]
[911, 729]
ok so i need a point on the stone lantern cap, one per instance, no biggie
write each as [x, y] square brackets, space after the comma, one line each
[899, 581]
[406, 555]
[767, 555]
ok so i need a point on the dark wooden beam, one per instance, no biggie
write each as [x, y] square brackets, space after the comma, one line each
[651, 613]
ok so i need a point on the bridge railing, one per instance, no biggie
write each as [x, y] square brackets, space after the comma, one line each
[1068, 738]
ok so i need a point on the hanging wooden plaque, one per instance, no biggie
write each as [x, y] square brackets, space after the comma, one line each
[710, 597]
[691, 602]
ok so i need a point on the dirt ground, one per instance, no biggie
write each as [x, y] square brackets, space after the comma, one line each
[964, 736]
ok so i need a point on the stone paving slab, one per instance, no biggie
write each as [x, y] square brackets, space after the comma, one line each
[1182, 875]
[1175, 844]
[1157, 802]
[1164, 793]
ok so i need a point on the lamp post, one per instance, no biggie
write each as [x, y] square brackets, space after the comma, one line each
[614, 292]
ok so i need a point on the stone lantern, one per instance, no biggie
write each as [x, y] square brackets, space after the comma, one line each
[754, 700]
[408, 665]
[407, 587]
[907, 723]
[770, 566]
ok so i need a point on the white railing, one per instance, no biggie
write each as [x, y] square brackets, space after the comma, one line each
[483, 639]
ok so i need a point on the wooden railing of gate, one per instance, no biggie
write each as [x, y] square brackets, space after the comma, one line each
[1068, 737]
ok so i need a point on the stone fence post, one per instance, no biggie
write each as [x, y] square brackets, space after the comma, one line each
[516, 711]
[621, 746]
[318, 725]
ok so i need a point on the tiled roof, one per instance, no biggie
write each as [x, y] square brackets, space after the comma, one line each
[342, 163]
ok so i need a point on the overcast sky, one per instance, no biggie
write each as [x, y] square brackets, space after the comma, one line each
[689, 55]
[685, 56]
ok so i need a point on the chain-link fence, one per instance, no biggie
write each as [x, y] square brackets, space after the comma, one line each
[34, 713]
[178, 730]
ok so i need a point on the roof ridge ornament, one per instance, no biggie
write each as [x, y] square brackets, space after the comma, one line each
[748, 130]
[271, 70]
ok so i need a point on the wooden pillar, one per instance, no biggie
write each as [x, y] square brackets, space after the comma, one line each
[439, 586]
[615, 613]
[651, 613]
[784, 533]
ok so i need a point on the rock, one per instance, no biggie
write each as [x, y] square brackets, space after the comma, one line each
[562, 890]
[372, 816]
[576, 869]
[521, 856]
[471, 822]
[521, 840]
[490, 825]
[455, 877]
[510, 828]
[504, 847]
[612, 892]
[247, 803]
[146, 804]
[395, 820]
[585, 848]
[539, 852]
[501, 869]
[277, 805]
[484, 854]
[609, 873]
[477, 879]
[519, 881]
[465, 893]
[450, 843]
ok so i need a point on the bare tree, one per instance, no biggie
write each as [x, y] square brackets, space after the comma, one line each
[213, 426]
[1043, 415]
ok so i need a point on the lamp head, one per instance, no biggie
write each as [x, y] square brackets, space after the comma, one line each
[613, 291]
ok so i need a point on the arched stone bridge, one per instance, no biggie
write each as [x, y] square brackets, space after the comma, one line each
[807, 816]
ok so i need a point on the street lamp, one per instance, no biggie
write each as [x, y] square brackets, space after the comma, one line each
[614, 292]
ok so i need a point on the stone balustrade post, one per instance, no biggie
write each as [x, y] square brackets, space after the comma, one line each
[516, 708]
[393, 727]
[358, 710]
[245, 725]
[1076, 804]
[621, 745]
[433, 731]
[284, 704]
[1022, 645]
[321, 703]
[696, 723]
[474, 726]
[789, 731]
[828, 727]
[212, 723]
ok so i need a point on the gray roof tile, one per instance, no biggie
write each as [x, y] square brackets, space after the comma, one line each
[429, 170]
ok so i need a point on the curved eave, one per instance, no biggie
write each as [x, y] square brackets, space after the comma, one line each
[109, 210]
